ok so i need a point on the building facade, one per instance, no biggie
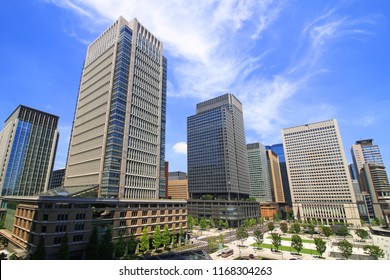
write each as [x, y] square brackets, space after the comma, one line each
[276, 177]
[260, 180]
[217, 156]
[118, 135]
[57, 178]
[321, 187]
[28, 144]
[376, 184]
[177, 187]
[231, 211]
[30, 219]
[279, 150]
[369, 169]
[365, 151]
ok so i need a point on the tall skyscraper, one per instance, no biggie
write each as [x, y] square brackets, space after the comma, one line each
[28, 144]
[118, 135]
[372, 178]
[279, 150]
[365, 152]
[275, 177]
[217, 156]
[321, 187]
[260, 181]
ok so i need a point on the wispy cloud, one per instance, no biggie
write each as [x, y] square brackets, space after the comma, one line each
[217, 48]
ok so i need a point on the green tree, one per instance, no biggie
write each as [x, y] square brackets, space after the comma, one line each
[63, 253]
[106, 247]
[295, 228]
[261, 220]
[311, 229]
[374, 251]
[245, 223]
[326, 230]
[278, 216]
[345, 247]
[223, 224]
[174, 241]
[92, 251]
[120, 247]
[166, 237]
[342, 231]
[259, 237]
[320, 245]
[241, 234]
[11, 258]
[221, 239]
[207, 197]
[375, 222]
[181, 235]
[40, 252]
[203, 223]
[270, 226]
[132, 244]
[284, 227]
[252, 222]
[288, 216]
[144, 241]
[212, 242]
[276, 240]
[211, 223]
[190, 222]
[157, 240]
[296, 243]
[362, 233]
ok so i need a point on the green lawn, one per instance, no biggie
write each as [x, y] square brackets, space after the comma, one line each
[288, 249]
[289, 239]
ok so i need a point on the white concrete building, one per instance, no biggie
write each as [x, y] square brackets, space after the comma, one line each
[320, 184]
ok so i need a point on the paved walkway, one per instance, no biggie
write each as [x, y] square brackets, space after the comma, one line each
[332, 252]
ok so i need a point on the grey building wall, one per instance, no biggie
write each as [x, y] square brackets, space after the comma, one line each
[28, 146]
[217, 156]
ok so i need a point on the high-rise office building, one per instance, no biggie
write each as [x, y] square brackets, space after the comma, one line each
[321, 187]
[260, 181]
[57, 178]
[275, 177]
[28, 144]
[279, 150]
[376, 184]
[365, 152]
[372, 177]
[118, 135]
[217, 155]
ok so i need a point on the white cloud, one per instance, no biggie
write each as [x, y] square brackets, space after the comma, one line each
[180, 148]
[217, 46]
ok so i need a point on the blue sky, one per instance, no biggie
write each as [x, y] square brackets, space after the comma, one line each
[289, 62]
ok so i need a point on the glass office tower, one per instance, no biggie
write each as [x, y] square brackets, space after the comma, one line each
[118, 136]
[28, 144]
[217, 155]
[260, 181]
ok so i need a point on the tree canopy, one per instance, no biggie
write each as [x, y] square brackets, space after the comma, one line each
[320, 245]
[276, 240]
[296, 243]
[345, 247]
